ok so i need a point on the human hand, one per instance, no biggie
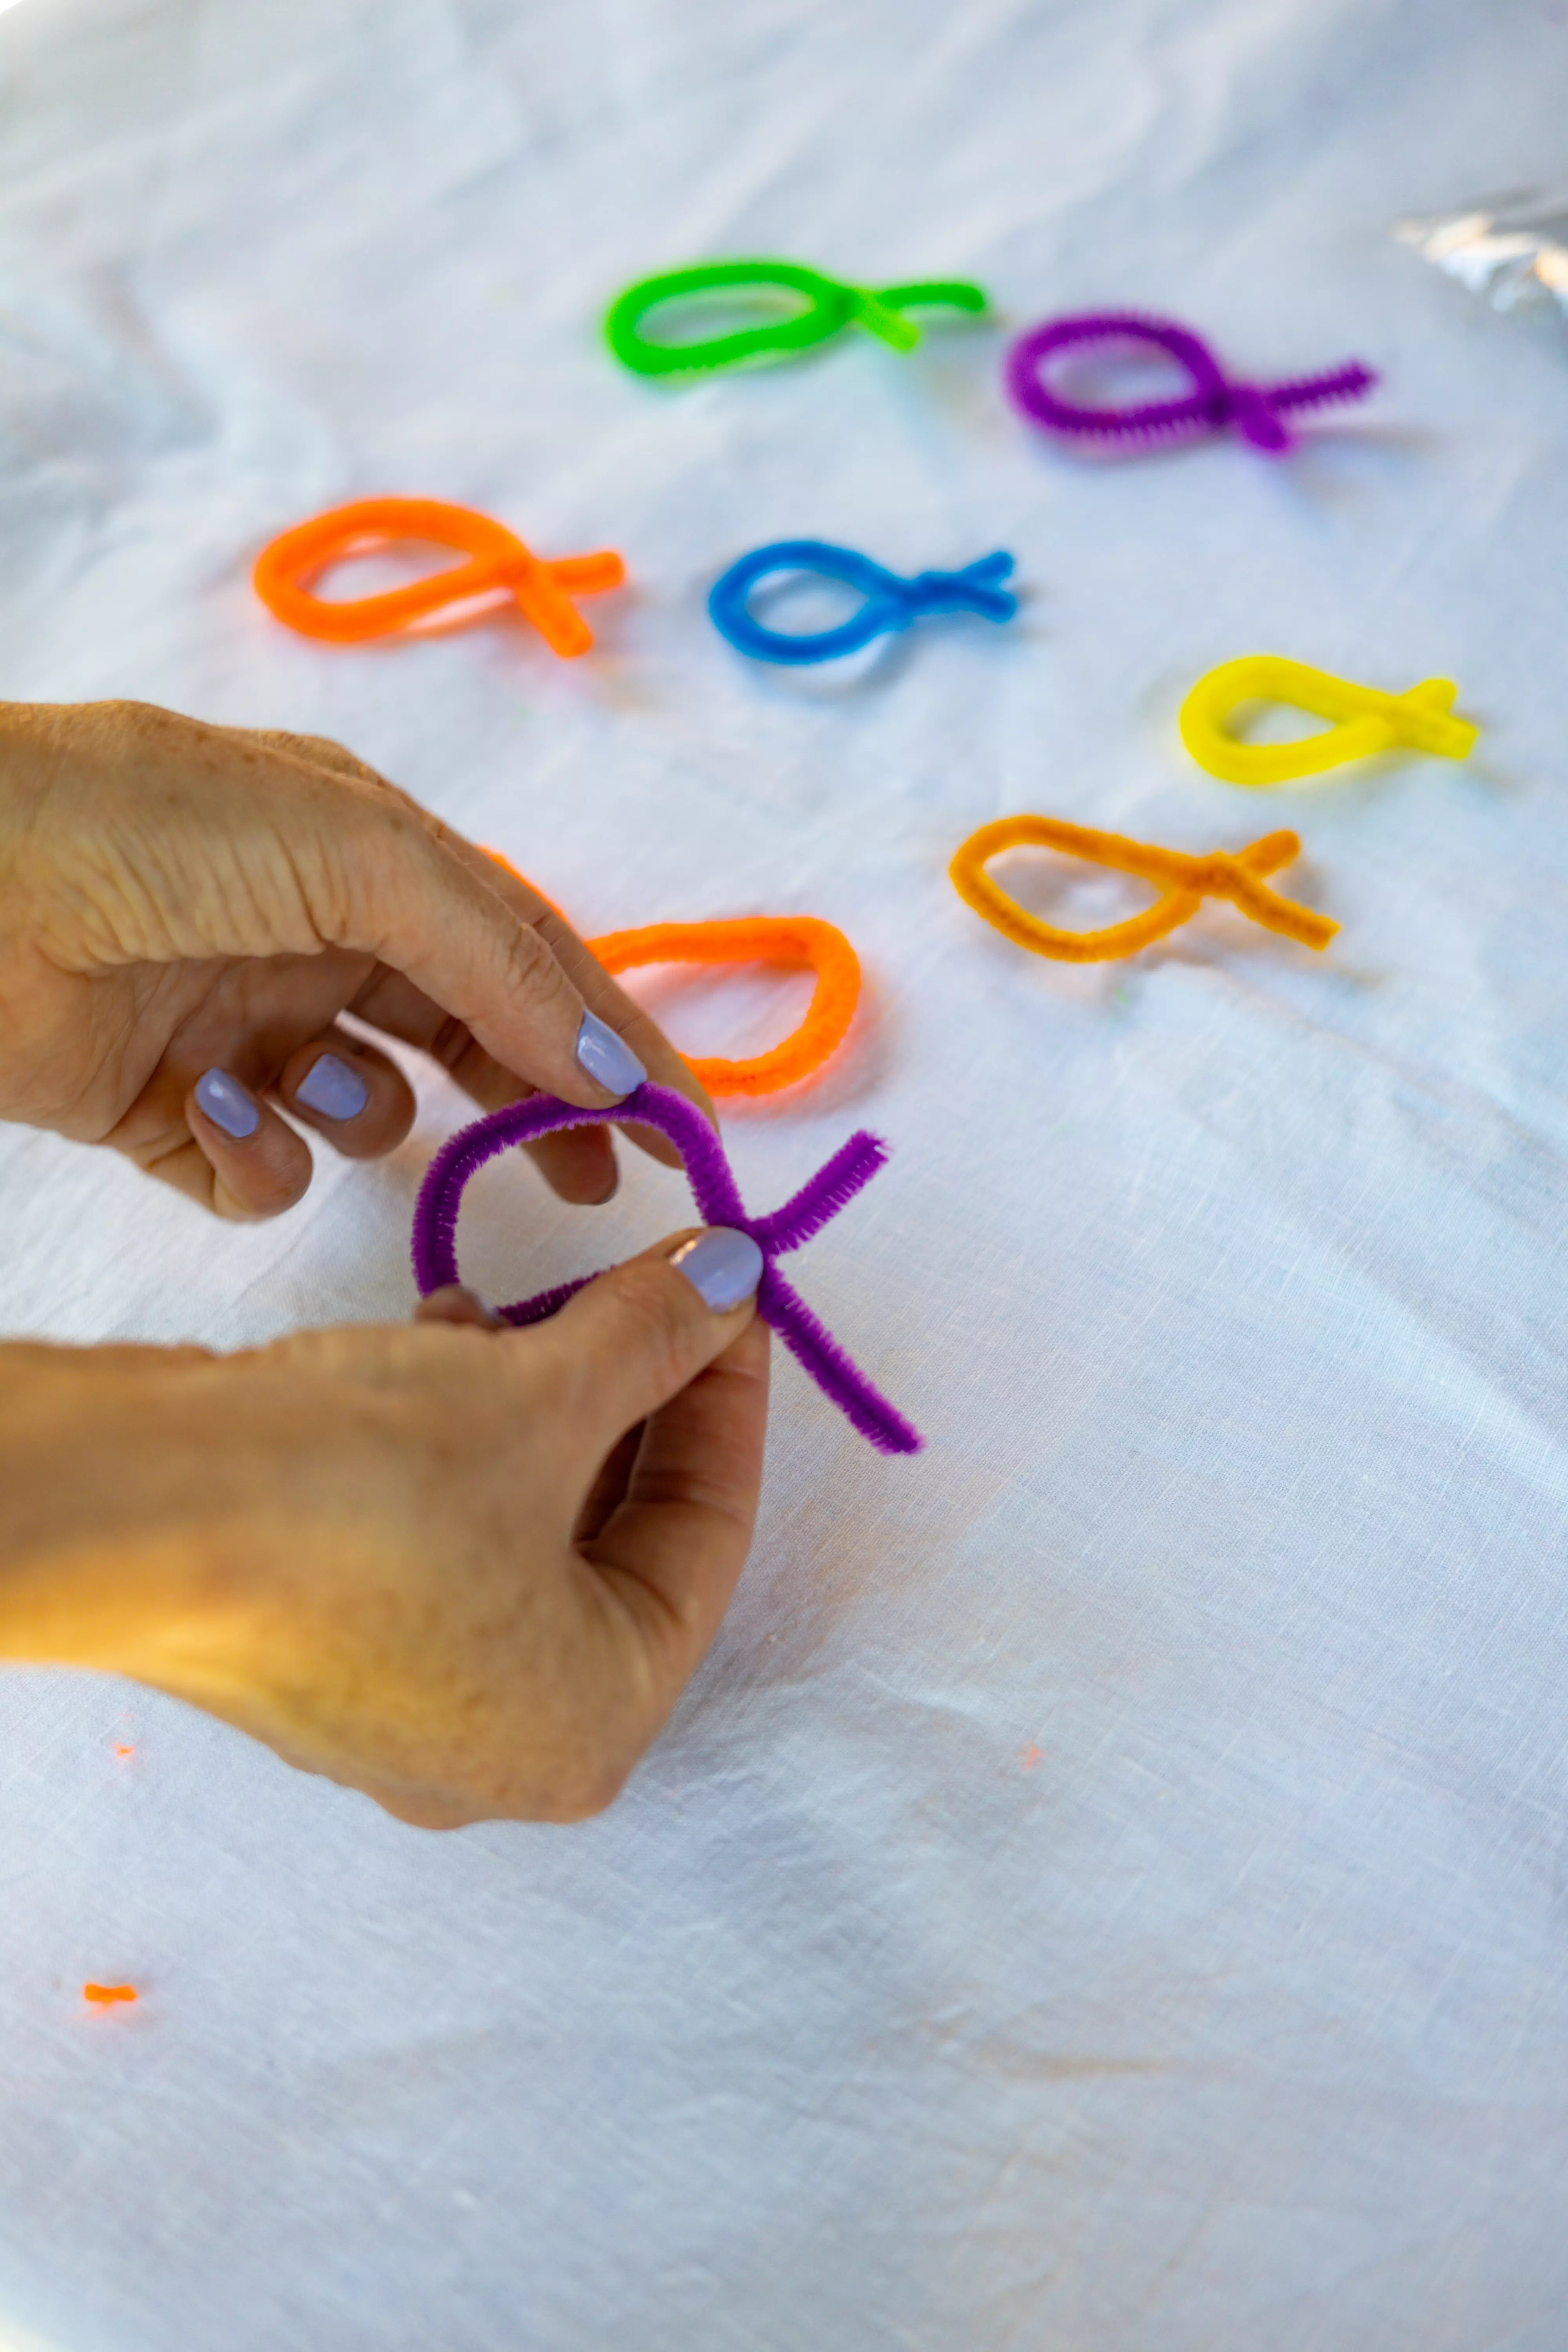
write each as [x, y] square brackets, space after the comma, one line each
[465, 1569]
[185, 911]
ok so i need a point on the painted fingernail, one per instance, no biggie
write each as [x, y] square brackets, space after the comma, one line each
[333, 1089]
[607, 1057]
[723, 1265]
[228, 1104]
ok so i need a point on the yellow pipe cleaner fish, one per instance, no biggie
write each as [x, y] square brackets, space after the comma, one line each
[1364, 721]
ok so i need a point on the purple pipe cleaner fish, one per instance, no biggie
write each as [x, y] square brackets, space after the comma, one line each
[714, 1189]
[1257, 410]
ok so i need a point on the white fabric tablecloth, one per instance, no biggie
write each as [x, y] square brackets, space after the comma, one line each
[1106, 1891]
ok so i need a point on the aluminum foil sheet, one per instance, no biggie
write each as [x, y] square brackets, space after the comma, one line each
[1511, 250]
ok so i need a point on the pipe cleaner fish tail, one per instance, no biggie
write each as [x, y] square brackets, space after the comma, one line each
[839, 1379]
[1352, 382]
[832, 1188]
[930, 293]
[979, 586]
[988, 570]
[877, 315]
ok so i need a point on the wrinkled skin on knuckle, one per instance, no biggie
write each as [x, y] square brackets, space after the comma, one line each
[532, 974]
[160, 838]
[371, 851]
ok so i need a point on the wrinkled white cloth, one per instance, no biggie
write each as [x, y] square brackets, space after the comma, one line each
[1105, 1891]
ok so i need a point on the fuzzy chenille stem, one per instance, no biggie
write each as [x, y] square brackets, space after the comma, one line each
[719, 1199]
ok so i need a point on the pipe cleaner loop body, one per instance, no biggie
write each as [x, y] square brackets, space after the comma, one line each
[1257, 410]
[713, 1187]
[890, 602]
[798, 942]
[830, 307]
[793, 942]
[1364, 721]
[1184, 883]
[497, 559]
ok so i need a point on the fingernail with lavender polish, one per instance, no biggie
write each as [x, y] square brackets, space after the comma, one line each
[332, 1089]
[228, 1104]
[607, 1057]
[723, 1265]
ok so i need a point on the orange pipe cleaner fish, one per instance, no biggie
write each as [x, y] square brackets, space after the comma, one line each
[794, 942]
[105, 1996]
[497, 559]
[1184, 883]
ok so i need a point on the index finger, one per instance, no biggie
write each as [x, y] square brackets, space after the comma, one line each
[392, 1003]
[319, 855]
[401, 1000]
[638, 1028]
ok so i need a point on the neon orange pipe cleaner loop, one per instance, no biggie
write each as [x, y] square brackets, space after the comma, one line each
[105, 1996]
[1184, 882]
[497, 559]
[795, 942]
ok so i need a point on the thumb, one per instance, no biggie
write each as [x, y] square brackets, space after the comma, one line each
[635, 1338]
[383, 882]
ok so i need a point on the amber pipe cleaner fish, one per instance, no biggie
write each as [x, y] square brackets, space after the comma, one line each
[1184, 882]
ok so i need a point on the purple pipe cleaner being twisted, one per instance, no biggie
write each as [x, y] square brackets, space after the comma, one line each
[1257, 410]
[719, 1199]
